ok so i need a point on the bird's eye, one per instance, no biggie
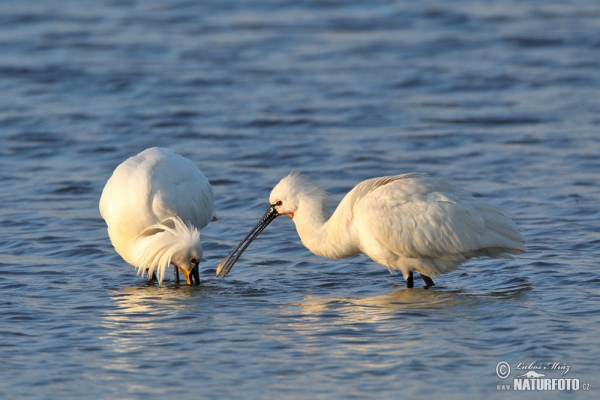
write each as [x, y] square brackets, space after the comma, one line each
[194, 261]
[278, 203]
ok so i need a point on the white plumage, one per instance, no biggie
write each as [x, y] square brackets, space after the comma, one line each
[408, 222]
[154, 204]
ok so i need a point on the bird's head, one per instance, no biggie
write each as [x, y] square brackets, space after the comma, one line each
[187, 258]
[287, 196]
[293, 195]
[284, 196]
[170, 242]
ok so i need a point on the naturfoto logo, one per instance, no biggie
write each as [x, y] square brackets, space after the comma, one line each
[529, 376]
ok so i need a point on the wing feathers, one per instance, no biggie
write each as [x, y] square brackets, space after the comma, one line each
[417, 217]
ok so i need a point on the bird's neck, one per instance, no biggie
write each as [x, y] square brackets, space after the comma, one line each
[324, 234]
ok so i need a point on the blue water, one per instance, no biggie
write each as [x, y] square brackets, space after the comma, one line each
[502, 97]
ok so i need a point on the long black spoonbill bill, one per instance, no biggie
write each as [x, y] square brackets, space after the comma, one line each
[410, 222]
[154, 204]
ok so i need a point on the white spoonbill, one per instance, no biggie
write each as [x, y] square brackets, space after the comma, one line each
[408, 222]
[154, 204]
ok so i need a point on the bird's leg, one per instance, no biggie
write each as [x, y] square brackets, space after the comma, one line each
[428, 281]
[176, 277]
[409, 281]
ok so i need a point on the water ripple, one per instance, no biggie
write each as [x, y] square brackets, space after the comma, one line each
[502, 99]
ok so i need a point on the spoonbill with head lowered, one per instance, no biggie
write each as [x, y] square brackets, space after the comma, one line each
[411, 223]
[154, 204]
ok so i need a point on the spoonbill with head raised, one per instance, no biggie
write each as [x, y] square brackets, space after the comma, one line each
[154, 204]
[411, 223]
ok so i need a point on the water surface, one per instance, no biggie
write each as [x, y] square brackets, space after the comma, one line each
[501, 97]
